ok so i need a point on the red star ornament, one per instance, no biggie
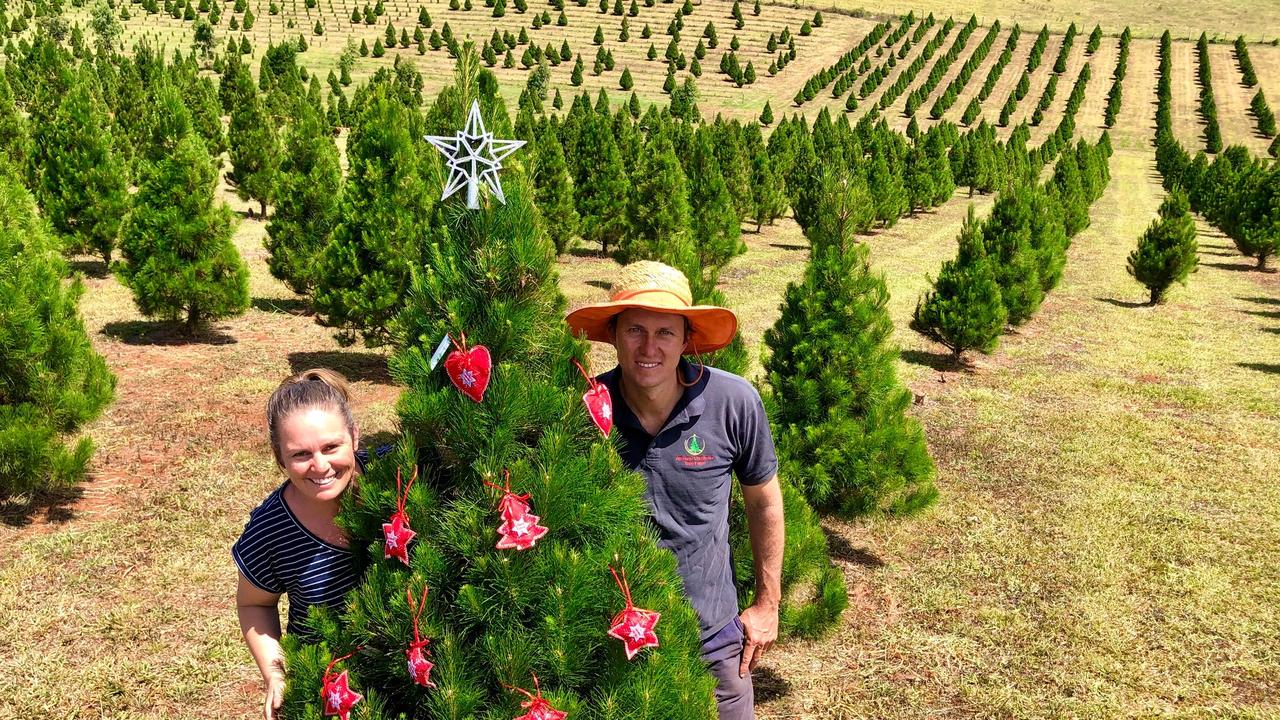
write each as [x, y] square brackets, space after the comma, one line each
[469, 370]
[336, 694]
[538, 707]
[396, 532]
[419, 665]
[598, 401]
[520, 533]
[633, 626]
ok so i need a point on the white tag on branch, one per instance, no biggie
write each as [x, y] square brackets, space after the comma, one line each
[440, 350]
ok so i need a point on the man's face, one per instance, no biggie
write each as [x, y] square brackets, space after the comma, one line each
[649, 345]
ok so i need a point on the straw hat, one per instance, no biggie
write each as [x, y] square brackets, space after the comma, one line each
[660, 288]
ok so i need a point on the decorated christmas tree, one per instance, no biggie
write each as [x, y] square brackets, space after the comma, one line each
[532, 553]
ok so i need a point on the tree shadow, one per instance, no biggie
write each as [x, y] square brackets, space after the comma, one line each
[1273, 331]
[1261, 300]
[1218, 247]
[96, 269]
[1220, 254]
[162, 332]
[583, 252]
[768, 685]
[602, 284]
[942, 362]
[789, 246]
[1122, 303]
[1269, 368]
[283, 306]
[51, 506]
[357, 366]
[1269, 314]
[841, 549]
[1234, 267]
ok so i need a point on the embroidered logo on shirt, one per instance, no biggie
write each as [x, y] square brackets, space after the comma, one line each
[693, 445]
[694, 449]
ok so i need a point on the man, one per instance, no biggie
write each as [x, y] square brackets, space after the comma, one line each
[689, 429]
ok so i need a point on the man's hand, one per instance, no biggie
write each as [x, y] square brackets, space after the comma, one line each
[760, 624]
[274, 696]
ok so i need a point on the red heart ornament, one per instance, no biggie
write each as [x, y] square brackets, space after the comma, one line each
[469, 370]
[600, 407]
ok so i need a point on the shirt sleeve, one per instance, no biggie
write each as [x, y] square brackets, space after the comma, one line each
[252, 553]
[757, 462]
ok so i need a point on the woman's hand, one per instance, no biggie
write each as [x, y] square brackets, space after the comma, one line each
[275, 694]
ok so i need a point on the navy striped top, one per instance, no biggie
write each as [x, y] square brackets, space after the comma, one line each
[277, 554]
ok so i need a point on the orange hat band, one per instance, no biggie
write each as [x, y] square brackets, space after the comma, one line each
[629, 294]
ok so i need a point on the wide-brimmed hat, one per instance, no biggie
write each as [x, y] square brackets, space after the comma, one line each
[661, 288]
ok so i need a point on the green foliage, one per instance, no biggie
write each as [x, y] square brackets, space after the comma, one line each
[178, 254]
[1167, 250]
[658, 211]
[717, 235]
[554, 188]
[384, 226]
[602, 184]
[52, 381]
[254, 149]
[844, 438]
[83, 182]
[310, 186]
[962, 309]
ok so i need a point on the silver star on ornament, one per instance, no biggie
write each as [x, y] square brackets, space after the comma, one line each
[474, 157]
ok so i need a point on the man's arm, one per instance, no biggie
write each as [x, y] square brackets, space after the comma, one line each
[765, 525]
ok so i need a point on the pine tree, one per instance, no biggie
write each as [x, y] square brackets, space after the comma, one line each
[52, 381]
[658, 213]
[254, 150]
[1167, 250]
[844, 438]
[1007, 238]
[15, 139]
[310, 186]
[768, 196]
[554, 188]
[602, 185]
[178, 255]
[963, 309]
[82, 179]
[766, 115]
[888, 189]
[498, 617]
[717, 234]
[384, 226]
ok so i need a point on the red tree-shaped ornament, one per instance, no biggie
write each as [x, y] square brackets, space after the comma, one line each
[519, 529]
[419, 665]
[538, 707]
[469, 370]
[599, 403]
[396, 531]
[336, 694]
[633, 626]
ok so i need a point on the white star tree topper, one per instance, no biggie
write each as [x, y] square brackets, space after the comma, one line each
[474, 157]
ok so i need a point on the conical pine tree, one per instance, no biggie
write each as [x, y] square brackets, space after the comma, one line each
[51, 379]
[178, 255]
[963, 310]
[83, 181]
[554, 189]
[602, 185]
[307, 202]
[658, 214]
[844, 438]
[717, 233]
[1167, 250]
[499, 618]
[384, 224]
[254, 150]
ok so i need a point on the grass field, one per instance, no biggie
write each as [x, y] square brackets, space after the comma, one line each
[1108, 536]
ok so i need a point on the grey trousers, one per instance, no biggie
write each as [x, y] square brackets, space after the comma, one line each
[723, 654]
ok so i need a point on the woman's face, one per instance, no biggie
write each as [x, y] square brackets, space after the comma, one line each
[318, 453]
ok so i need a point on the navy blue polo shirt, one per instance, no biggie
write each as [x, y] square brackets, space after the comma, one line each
[717, 429]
